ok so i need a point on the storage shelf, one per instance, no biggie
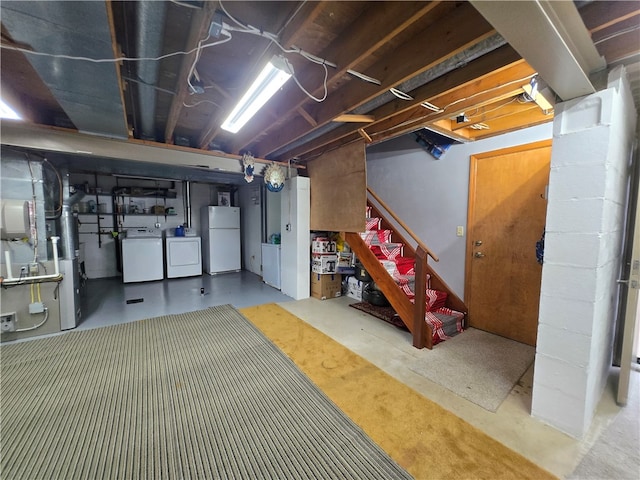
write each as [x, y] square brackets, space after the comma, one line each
[146, 214]
[144, 192]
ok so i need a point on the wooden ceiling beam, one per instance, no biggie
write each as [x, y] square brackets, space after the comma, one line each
[602, 14]
[200, 24]
[527, 118]
[302, 20]
[493, 111]
[503, 62]
[371, 31]
[419, 118]
[530, 116]
[117, 52]
[353, 118]
[457, 31]
[444, 127]
[303, 113]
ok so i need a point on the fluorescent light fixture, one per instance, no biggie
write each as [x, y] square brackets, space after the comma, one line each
[263, 88]
[7, 112]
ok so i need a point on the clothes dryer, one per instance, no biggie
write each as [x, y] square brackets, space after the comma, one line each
[183, 254]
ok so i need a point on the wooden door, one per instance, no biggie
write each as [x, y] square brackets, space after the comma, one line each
[507, 211]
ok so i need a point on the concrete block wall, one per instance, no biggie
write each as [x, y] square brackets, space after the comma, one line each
[593, 138]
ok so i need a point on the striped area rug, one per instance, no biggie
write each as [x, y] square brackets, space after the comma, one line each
[196, 395]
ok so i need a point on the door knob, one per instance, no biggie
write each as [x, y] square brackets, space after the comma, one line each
[478, 254]
[477, 243]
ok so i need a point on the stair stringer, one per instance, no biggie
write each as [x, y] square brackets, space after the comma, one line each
[437, 283]
[385, 282]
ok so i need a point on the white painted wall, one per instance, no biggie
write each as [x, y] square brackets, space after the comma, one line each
[273, 212]
[251, 227]
[431, 196]
[592, 142]
[200, 196]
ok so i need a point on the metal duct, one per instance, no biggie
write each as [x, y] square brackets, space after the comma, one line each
[150, 27]
[88, 92]
[68, 223]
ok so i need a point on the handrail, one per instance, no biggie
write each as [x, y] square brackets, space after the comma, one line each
[403, 225]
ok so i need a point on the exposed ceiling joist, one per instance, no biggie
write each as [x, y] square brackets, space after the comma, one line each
[89, 93]
[457, 31]
[291, 33]
[200, 24]
[504, 64]
[444, 54]
[375, 28]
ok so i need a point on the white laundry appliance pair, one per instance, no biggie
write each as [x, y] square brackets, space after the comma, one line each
[144, 258]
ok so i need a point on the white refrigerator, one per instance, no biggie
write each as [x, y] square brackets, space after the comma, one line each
[220, 239]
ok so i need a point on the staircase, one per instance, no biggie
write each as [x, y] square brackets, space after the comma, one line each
[400, 271]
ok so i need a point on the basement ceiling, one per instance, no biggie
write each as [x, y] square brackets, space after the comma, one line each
[385, 68]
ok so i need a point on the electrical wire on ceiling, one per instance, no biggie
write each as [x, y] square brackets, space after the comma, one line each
[135, 80]
[199, 51]
[198, 103]
[104, 60]
[246, 28]
[437, 110]
[477, 112]
[310, 95]
[617, 34]
[186, 4]
[497, 87]
[400, 94]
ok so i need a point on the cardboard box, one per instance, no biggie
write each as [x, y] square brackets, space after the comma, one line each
[323, 246]
[355, 287]
[326, 286]
[345, 263]
[324, 264]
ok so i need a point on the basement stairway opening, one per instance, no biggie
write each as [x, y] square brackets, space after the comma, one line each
[391, 262]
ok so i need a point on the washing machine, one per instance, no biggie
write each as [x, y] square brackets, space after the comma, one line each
[142, 258]
[183, 254]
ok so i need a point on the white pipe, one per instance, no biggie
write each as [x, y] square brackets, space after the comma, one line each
[7, 260]
[56, 266]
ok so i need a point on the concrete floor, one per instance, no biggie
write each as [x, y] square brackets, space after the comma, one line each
[382, 344]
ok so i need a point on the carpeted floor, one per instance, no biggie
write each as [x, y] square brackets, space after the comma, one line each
[424, 438]
[197, 395]
[478, 366]
[388, 314]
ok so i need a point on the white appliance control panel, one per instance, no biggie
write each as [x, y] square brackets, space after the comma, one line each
[144, 233]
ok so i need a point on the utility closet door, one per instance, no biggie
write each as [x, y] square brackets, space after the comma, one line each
[507, 212]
